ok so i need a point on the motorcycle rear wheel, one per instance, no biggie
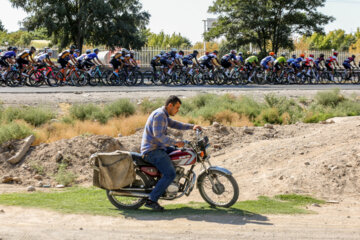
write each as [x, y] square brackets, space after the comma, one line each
[129, 203]
[223, 184]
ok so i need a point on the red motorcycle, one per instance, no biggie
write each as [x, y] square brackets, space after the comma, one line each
[217, 186]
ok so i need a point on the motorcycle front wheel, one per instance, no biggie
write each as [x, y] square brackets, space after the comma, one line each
[126, 203]
[218, 189]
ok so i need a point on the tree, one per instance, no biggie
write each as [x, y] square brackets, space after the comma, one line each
[111, 23]
[210, 46]
[2, 28]
[268, 24]
[163, 40]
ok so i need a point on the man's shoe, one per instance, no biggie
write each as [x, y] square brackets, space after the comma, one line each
[153, 205]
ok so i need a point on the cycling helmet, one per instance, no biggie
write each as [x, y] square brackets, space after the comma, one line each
[335, 53]
[271, 53]
[49, 51]
[302, 55]
[283, 54]
[207, 53]
[240, 53]
[96, 50]
[181, 52]
[10, 48]
[233, 51]
[195, 52]
[14, 49]
[322, 55]
[88, 51]
[72, 47]
[32, 49]
[311, 55]
[215, 52]
[353, 56]
[162, 52]
[77, 50]
[293, 56]
[173, 50]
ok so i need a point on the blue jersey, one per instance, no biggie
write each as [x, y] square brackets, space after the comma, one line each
[9, 54]
[91, 56]
[228, 57]
[266, 60]
[240, 58]
[299, 60]
[348, 60]
[290, 61]
[319, 60]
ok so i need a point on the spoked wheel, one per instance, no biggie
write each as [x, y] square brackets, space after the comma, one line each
[218, 189]
[122, 202]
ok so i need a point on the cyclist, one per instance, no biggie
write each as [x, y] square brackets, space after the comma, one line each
[291, 60]
[318, 62]
[267, 62]
[44, 59]
[251, 63]
[77, 53]
[65, 57]
[240, 59]
[92, 59]
[330, 64]
[298, 62]
[347, 65]
[189, 60]
[279, 63]
[25, 57]
[228, 61]
[178, 58]
[116, 61]
[7, 59]
[168, 59]
[81, 58]
[132, 60]
[309, 63]
[155, 61]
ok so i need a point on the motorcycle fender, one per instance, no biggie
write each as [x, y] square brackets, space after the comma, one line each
[215, 168]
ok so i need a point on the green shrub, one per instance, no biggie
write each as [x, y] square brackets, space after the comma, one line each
[67, 120]
[102, 116]
[329, 98]
[37, 116]
[13, 131]
[147, 106]
[64, 176]
[270, 115]
[37, 168]
[121, 107]
[84, 111]
[12, 113]
[202, 100]
[347, 108]
[317, 117]
[246, 106]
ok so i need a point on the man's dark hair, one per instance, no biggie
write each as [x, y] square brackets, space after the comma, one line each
[173, 100]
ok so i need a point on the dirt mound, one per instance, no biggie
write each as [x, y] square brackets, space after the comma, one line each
[318, 159]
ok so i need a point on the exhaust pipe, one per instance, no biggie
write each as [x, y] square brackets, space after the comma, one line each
[129, 194]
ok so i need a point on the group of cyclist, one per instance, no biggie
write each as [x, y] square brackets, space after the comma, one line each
[27, 58]
[168, 60]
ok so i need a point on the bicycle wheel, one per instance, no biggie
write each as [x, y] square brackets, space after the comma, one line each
[94, 80]
[12, 79]
[36, 79]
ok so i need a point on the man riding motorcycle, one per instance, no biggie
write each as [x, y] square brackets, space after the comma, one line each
[156, 145]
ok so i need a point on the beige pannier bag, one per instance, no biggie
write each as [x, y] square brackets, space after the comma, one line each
[112, 170]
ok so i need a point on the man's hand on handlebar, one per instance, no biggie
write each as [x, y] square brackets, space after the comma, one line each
[197, 127]
[180, 144]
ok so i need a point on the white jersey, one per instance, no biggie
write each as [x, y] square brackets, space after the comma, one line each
[42, 57]
[178, 56]
[81, 58]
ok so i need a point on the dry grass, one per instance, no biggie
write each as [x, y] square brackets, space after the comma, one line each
[56, 131]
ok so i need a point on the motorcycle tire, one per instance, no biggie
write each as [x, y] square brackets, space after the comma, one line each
[122, 202]
[218, 188]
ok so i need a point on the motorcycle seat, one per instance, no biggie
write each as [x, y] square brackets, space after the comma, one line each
[139, 160]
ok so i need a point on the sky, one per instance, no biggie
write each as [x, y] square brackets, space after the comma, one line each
[185, 16]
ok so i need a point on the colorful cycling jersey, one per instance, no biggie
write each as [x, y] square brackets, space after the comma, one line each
[42, 57]
[189, 57]
[280, 60]
[331, 59]
[319, 60]
[25, 54]
[349, 60]
[157, 57]
[240, 59]
[290, 61]
[116, 56]
[228, 57]
[9, 54]
[267, 59]
[81, 58]
[66, 55]
[299, 60]
[308, 61]
[92, 56]
[252, 59]
[178, 56]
